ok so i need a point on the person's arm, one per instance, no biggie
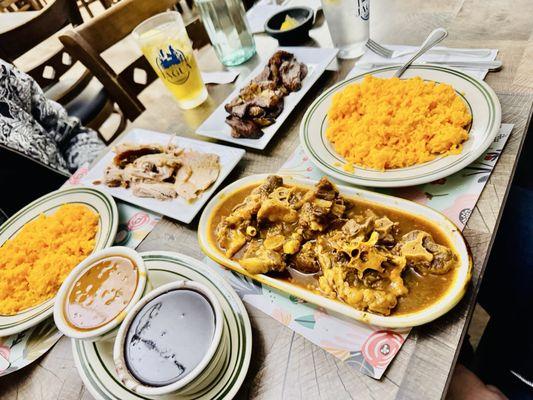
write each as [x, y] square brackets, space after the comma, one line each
[77, 144]
[24, 98]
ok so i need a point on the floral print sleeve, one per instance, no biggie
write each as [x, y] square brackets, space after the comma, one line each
[40, 128]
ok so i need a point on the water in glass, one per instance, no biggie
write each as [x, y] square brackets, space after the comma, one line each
[348, 25]
[227, 27]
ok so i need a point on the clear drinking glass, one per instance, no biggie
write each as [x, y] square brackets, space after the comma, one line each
[226, 24]
[167, 47]
[348, 25]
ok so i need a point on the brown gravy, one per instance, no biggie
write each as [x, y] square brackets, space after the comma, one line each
[424, 290]
[101, 293]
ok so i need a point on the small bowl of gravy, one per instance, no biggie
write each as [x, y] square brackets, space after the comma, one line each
[98, 294]
[171, 341]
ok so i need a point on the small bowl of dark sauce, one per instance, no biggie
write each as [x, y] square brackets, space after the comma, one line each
[290, 26]
[171, 341]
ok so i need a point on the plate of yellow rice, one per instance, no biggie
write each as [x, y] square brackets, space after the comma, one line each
[42, 243]
[379, 131]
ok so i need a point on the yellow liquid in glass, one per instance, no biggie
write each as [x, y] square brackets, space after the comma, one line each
[171, 56]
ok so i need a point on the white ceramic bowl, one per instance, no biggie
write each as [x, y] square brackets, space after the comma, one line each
[108, 330]
[192, 381]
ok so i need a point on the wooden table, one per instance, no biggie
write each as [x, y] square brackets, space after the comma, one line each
[284, 364]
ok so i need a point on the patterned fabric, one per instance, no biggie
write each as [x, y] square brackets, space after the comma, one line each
[40, 128]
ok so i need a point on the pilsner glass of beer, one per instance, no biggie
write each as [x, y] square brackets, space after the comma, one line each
[165, 44]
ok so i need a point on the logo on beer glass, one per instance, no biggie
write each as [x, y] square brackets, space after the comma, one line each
[174, 65]
[364, 9]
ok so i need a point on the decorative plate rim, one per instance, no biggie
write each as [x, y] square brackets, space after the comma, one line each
[494, 121]
[34, 315]
[233, 301]
[447, 301]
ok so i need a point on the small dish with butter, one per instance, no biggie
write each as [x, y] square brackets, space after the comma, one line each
[99, 292]
[172, 341]
[290, 26]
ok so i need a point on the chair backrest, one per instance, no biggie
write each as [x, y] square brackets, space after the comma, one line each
[88, 41]
[21, 39]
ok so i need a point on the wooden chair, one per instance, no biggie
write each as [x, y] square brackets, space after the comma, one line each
[20, 5]
[21, 39]
[88, 41]
[84, 97]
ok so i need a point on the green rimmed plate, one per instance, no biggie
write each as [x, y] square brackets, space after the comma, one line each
[99, 202]
[94, 361]
[486, 119]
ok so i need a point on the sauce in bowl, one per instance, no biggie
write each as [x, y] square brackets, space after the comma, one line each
[101, 293]
[169, 336]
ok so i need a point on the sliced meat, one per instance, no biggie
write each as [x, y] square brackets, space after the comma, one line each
[160, 191]
[275, 62]
[158, 167]
[113, 176]
[183, 174]
[129, 152]
[173, 150]
[264, 75]
[259, 103]
[205, 168]
[266, 98]
[134, 173]
[161, 172]
[274, 112]
[241, 128]
[187, 191]
[198, 172]
[263, 121]
[256, 112]
[233, 103]
[240, 110]
[292, 74]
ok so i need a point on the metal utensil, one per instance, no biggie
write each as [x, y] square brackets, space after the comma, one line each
[433, 38]
[303, 278]
[389, 53]
[495, 65]
[379, 49]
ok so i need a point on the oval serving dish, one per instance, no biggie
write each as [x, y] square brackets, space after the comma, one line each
[442, 305]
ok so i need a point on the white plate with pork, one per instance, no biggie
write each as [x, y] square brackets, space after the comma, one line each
[168, 174]
[256, 120]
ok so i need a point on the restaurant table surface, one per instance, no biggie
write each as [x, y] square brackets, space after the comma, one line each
[284, 364]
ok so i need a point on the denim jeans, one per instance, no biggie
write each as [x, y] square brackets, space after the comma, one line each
[506, 348]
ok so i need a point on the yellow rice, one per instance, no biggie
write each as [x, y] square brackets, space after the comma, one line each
[393, 123]
[35, 262]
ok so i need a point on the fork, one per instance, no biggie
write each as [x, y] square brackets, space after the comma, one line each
[389, 53]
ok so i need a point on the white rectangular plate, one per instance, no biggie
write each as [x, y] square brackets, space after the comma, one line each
[316, 60]
[178, 208]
